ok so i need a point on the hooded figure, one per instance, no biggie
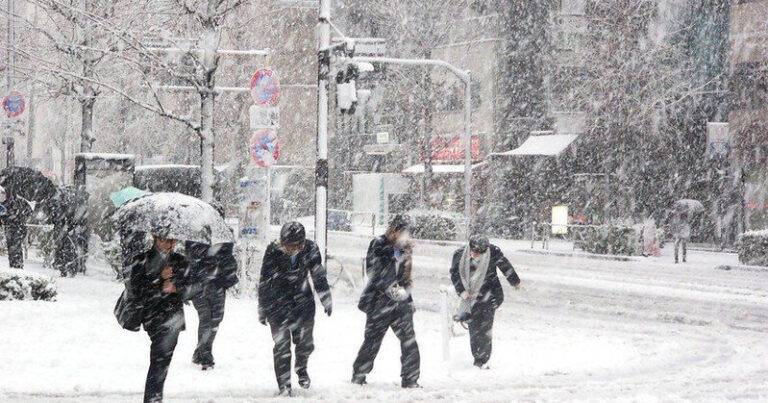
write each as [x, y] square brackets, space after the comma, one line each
[474, 277]
[387, 303]
[287, 303]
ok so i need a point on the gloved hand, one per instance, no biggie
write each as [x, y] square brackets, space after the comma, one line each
[397, 293]
[329, 309]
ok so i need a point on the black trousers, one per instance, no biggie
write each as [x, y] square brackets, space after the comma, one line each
[15, 235]
[678, 243]
[481, 333]
[376, 325]
[164, 339]
[283, 333]
[210, 309]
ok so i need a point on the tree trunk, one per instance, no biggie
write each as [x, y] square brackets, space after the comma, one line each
[207, 141]
[209, 43]
[86, 124]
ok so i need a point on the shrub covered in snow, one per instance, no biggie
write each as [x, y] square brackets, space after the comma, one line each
[18, 284]
[753, 248]
[434, 225]
[608, 240]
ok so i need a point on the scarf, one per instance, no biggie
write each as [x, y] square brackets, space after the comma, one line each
[472, 281]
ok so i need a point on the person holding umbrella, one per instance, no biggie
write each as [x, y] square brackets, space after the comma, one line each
[386, 301]
[286, 301]
[474, 277]
[14, 216]
[161, 281]
[23, 189]
[680, 226]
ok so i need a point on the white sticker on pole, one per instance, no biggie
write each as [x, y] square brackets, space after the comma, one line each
[264, 117]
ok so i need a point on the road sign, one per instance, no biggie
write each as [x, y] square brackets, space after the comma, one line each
[14, 104]
[264, 117]
[265, 87]
[264, 148]
[718, 140]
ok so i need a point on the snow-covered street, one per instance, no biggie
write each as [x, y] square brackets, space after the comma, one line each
[578, 329]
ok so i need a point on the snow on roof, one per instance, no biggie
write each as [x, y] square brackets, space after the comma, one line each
[547, 145]
[105, 156]
[441, 168]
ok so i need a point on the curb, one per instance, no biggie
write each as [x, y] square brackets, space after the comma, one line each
[738, 267]
[580, 255]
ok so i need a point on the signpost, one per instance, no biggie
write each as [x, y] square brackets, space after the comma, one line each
[264, 150]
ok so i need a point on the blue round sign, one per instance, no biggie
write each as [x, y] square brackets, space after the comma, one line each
[14, 104]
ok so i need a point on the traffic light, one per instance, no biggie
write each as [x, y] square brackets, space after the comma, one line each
[346, 90]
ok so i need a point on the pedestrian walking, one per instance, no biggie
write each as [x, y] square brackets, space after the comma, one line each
[160, 281]
[287, 303]
[219, 266]
[474, 277]
[387, 302]
[681, 233]
[16, 212]
[70, 228]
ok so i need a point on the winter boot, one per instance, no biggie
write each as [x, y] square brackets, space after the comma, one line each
[196, 358]
[285, 391]
[304, 380]
[359, 380]
[482, 366]
[410, 385]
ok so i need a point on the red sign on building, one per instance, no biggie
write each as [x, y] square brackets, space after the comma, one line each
[452, 148]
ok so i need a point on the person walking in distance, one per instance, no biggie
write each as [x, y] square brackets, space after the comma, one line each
[386, 300]
[474, 277]
[287, 304]
[681, 232]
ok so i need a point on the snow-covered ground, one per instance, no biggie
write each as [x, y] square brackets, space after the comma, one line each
[578, 330]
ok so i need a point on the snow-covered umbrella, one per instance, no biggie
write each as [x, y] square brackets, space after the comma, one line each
[689, 205]
[176, 216]
[27, 183]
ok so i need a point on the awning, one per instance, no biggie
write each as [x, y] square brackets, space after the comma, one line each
[441, 168]
[546, 145]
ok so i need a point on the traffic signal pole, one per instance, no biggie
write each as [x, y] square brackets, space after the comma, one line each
[321, 163]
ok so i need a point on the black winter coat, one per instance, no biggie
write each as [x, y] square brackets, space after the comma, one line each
[157, 307]
[285, 294]
[491, 292]
[383, 272]
[217, 262]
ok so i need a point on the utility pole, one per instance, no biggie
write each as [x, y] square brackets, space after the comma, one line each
[9, 63]
[321, 164]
